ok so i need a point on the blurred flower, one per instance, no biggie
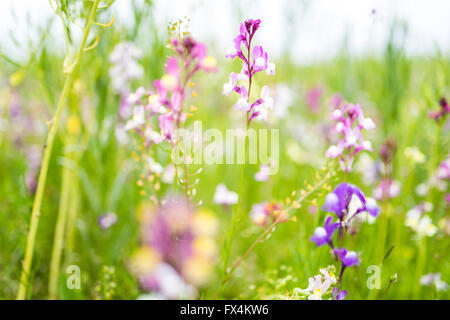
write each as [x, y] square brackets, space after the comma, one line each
[223, 196]
[368, 168]
[414, 155]
[284, 97]
[387, 188]
[350, 123]
[335, 101]
[348, 258]
[434, 278]
[168, 283]
[125, 66]
[443, 172]
[313, 97]
[445, 110]
[420, 223]
[262, 212]
[178, 250]
[107, 220]
[339, 294]
[263, 173]
[323, 235]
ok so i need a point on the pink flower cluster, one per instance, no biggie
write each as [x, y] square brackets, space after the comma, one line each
[166, 103]
[253, 61]
[350, 123]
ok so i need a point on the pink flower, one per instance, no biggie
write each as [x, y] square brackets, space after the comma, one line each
[256, 60]
[166, 125]
[313, 97]
[350, 123]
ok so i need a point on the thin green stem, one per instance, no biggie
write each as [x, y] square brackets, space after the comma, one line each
[36, 211]
[59, 233]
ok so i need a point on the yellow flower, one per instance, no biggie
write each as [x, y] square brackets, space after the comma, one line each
[16, 78]
[197, 270]
[143, 260]
[205, 223]
[205, 247]
[73, 125]
[414, 155]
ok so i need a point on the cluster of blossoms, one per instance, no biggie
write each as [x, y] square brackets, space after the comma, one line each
[178, 250]
[254, 60]
[166, 103]
[347, 202]
[262, 213]
[319, 285]
[350, 123]
[420, 222]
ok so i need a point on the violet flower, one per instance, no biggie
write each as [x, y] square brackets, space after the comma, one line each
[322, 235]
[339, 294]
[350, 123]
[107, 220]
[347, 200]
[348, 258]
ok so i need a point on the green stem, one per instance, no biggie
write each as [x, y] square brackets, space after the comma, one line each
[59, 233]
[420, 265]
[36, 211]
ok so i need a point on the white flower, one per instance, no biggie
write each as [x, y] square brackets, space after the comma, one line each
[422, 225]
[223, 196]
[263, 173]
[154, 166]
[137, 120]
[171, 284]
[414, 155]
[329, 275]
[430, 278]
[317, 288]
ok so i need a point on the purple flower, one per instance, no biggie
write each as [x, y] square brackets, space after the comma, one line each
[339, 294]
[443, 172]
[323, 235]
[445, 110]
[339, 200]
[107, 220]
[348, 258]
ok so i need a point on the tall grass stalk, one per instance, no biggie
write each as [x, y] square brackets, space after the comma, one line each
[36, 211]
[59, 232]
